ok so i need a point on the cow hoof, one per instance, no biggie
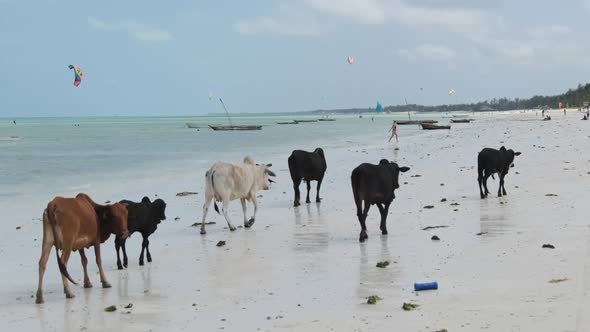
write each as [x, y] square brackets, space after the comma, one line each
[249, 223]
[69, 296]
[384, 232]
[105, 284]
[307, 201]
[120, 267]
[296, 204]
[140, 263]
[318, 200]
[88, 285]
[149, 259]
[363, 237]
[39, 299]
[232, 228]
[203, 232]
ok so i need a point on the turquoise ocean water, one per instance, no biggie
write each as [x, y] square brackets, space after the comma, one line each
[44, 153]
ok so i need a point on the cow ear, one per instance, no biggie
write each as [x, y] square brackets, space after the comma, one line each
[269, 172]
[517, 153]
[502, 148]
[404, 169]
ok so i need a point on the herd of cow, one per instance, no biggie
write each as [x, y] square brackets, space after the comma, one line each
[76, 224]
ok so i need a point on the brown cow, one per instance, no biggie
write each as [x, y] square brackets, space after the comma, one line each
[72, 224]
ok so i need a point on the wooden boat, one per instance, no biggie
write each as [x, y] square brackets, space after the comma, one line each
[231, 126]
[195, 125]
[301, 121]
[289, 122]
[461, 120]
[414, 122]
[326, 119]
[430, 126]
[236, 127]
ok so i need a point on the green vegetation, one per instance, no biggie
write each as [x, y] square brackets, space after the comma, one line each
[576, 98]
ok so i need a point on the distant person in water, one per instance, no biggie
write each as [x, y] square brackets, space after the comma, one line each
[393, 130]
[14, 121]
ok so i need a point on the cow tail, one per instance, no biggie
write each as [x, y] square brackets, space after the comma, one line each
[60, 264]
[213, 188]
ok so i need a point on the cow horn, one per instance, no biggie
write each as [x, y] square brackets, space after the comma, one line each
[271, 181]
[268, 165]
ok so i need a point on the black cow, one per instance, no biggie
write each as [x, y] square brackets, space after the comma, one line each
[307, 166]
[490, 161]
[143, 217]
[375, 184]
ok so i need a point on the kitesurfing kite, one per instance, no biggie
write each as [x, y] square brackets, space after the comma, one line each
[379, 108]
[77, 74]
[451, 92]
[350, 60]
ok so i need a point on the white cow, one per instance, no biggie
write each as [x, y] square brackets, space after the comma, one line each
[227, 182]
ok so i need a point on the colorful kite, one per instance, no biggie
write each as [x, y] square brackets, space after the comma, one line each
[379, 108]
[350, 60]
[77, 74]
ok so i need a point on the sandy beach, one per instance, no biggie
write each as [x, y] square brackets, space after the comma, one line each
[303, 269]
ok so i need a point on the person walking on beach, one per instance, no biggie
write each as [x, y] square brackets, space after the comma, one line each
[393, 130]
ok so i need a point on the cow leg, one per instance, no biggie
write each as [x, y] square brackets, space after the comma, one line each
[501, 184]
[253, 219]
[485, 182]
[317, 196]
[480, 182]
[65, 256]
[244, 211]
[45, 251]
[148, 255]
[103, 278]
[87, 283]
[145, 248]
[363, 236]
[384, 211]
[206, 205]
[124, 249]
[308, 182]
[225, 209]
[296, 183]
[141, 253]
[503, 187]
[117, 247]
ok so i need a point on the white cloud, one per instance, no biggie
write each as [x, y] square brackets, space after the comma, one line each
[134, 29]
[290, 20]
[482, 33]
[278, 26]
[364, 11]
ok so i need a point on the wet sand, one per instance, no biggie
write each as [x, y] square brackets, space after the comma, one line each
[302, 269]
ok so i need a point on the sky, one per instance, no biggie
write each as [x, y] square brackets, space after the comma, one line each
[153, 57]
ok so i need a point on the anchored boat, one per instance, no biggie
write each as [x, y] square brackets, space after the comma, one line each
[430, 126]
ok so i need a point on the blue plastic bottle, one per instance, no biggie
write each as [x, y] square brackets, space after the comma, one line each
[420, 286]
